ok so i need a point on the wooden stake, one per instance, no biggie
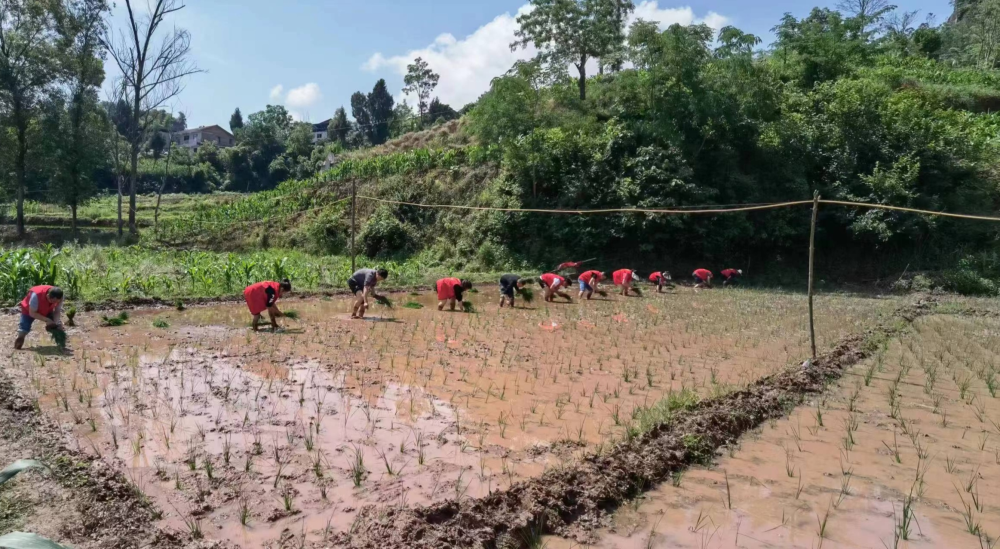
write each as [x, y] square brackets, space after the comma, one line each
[812, 265]
[354, 214]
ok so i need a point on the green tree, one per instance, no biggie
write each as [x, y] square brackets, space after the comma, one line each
[421, 80]
[236, 121]
[821, 47]
[984, 30]
[373, 113]
[573, 32]
[339, 127]
[80, 25]
[440, 112]
[28, 69]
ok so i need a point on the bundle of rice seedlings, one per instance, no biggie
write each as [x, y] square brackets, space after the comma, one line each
[602, 293]
[637, 291]
[118, 320]
[527, 294]
[413, 305]
[383, 301]
[468, 307]
[70, 315]
[160, 323]
[179, 304]
[294, 315]
[59, 337]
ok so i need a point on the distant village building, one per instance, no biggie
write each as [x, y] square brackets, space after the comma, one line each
[195, 137]
[321, 131]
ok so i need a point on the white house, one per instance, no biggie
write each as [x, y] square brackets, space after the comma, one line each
[195, 137]
[321, 131]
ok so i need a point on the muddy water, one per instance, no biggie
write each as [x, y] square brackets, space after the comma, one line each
[297, 430]
[845, 469]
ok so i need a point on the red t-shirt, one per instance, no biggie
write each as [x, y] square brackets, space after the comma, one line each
[656, 277]
[730, 273]
[589, 275]
[703, 274]
[621, 276]
[446, 288]
[549, 279]
[257, 298]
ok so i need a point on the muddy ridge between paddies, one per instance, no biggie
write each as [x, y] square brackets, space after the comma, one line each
[269, 439]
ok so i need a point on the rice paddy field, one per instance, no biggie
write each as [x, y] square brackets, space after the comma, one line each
[903, 452]
[256, 439]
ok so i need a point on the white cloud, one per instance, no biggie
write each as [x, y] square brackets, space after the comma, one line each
[649, 10]
[276, 93]
[304, 96]
[467, 66]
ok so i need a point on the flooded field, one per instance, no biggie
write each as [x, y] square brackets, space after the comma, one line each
[903, 452]
[261, 439]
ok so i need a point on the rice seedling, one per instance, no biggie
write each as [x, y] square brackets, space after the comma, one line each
[118, 320]
[468, 307]
[413, 305]
[160, 323]
[291, 315]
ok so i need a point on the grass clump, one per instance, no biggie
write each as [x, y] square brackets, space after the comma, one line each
[413, 305]
[71, 316]
[384, 301]
[647, 418]
[118, 320]
[468, 307]
[160, 323]
[294, 315]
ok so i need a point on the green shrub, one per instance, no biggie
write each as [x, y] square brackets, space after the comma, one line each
[383, 235]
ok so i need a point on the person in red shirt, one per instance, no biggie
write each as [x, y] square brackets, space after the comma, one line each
[703, 278]
[553, 285]
[731, 276]
[661, 279]
[43, 303]
[263, 296]
[625, 278]
[589, 282]
[450, 291]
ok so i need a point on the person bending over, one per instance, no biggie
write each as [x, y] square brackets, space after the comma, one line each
[625, 278]
[263, 296]
[451, 291]
[362, 284]
[589, 282]
[731, 277]
[509, 285]
[553, 285]
[661, 279]
[43, 303]
[703, 278]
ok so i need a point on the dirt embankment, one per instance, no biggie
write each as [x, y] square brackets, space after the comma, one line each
[573, 501]
[81, 500]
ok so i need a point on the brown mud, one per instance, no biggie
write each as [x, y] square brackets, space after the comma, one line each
[575, 500]
[81, 500]
[212, 422]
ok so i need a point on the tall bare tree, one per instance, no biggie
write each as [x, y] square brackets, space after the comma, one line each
[869, 11]
[152, 65]
[27, 69]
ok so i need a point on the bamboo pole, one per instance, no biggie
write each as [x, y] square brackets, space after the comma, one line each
[354, 214]
[812, 271]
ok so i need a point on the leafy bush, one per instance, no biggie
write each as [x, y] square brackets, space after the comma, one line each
[384, 236]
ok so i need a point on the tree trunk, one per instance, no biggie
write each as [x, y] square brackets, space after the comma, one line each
[582, 67]
[72, 208]
[120, 223]
[131, 190]
[20, 169]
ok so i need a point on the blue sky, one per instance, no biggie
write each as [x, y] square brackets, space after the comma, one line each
[311, 55]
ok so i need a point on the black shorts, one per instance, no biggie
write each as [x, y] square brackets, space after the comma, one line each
[507, 291]
[354, 286]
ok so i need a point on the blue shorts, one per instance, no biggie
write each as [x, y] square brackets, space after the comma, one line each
[24, 326]
[584, 287]
[698, 280]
